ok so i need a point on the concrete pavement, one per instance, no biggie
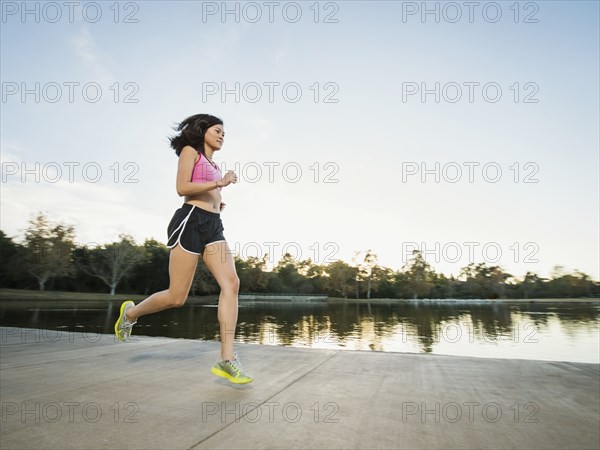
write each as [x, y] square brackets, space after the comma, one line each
[71, 390]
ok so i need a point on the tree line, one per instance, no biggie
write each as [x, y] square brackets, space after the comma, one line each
[49, 258]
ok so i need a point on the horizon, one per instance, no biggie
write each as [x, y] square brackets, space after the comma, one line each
[271, 265]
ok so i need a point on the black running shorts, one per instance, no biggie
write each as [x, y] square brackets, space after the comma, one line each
[193, 228]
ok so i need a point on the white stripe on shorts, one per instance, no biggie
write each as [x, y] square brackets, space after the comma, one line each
[182, 226]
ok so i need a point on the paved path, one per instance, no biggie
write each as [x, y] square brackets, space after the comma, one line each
[69, 390]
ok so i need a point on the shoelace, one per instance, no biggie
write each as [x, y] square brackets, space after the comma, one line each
[236, 363]
[127, 324]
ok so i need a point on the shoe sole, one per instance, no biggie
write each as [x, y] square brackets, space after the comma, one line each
[122, 311]
[220, 373]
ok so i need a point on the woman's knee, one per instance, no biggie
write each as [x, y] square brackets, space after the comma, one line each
[177, 299]
[231, 284]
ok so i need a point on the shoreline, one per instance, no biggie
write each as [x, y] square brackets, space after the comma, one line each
[467, 300]
[24, 294]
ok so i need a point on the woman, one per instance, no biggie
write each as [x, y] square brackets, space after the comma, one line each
[196, 229]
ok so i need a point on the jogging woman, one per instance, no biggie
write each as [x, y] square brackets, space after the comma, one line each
[196, 229]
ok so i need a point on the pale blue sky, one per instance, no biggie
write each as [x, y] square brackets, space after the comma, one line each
[369, 134]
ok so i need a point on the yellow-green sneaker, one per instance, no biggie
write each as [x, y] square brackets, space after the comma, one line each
[122, 325]
[231, 370]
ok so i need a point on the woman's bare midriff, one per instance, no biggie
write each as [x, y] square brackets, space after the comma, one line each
[210, 201]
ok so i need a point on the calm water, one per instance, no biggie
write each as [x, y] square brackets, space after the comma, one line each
[545, 331]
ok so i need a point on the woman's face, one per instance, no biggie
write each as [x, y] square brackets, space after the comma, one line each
[214, 136]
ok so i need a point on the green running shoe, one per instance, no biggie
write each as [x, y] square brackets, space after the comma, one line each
[122, 325]
[231, 370]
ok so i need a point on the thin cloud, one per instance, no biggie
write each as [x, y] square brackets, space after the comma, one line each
[91, 59]
[10, 152]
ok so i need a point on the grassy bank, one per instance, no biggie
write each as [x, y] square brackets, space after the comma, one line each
[461, 300]
[25, 294]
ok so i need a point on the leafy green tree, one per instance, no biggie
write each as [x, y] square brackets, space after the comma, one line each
[563, 284]
[12, 268]
[420, 275]
[366, 262]
[482, 281]
[112, 262]
[443, 287]
[49, 248]
[252, 273]
[582, 284]
[287, 274]
[383, 279]
[497, 281]
[314, 276]
[532, 285]
[341, 277]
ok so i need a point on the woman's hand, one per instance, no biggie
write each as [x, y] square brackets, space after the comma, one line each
[222, 206]
[230, 177]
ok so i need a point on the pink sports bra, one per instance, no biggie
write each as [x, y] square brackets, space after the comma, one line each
[205, 171]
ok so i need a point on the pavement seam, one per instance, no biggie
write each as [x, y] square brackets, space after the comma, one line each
[265, 401]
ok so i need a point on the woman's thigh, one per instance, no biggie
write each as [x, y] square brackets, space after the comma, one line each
[219, 260]
[182, 267]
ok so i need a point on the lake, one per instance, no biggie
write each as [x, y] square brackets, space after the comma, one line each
[523, 330]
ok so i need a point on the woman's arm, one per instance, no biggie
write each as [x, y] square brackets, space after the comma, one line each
[185, 168]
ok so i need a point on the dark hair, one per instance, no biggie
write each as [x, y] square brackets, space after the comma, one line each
[192, 132]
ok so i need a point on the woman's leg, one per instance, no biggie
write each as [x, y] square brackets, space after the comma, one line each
[219, 261]
[182, 267]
